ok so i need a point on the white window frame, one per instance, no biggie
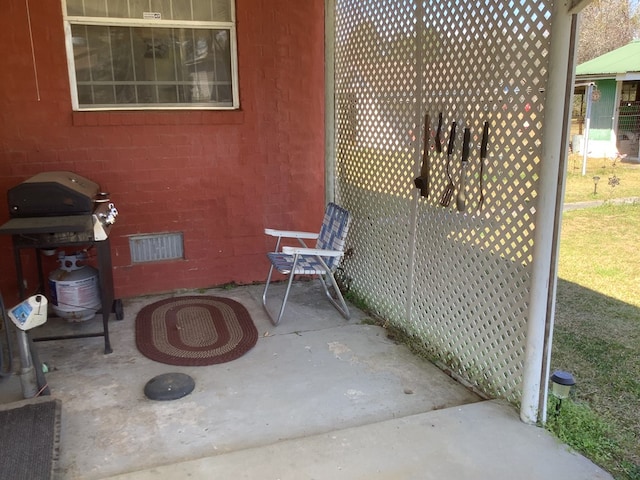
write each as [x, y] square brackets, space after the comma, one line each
[150, 23]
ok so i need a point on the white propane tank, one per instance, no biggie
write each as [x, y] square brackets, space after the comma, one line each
[75, 294]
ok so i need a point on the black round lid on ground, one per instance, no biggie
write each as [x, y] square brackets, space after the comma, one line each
[169, 386]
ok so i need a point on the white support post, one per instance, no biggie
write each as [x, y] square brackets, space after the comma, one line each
[587, 127]
[543, 264]
[329, 101]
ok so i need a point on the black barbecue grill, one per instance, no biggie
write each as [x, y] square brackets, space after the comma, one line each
[62, 209]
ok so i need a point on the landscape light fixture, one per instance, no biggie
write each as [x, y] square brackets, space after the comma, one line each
[596, 179]
[561, 383]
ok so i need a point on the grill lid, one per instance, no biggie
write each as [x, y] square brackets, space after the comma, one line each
[53, 194]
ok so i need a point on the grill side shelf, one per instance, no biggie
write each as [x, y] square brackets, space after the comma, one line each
[30, 225]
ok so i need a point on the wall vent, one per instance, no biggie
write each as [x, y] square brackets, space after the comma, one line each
[155, 247]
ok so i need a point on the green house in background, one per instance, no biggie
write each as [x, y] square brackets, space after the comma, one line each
[614, 126]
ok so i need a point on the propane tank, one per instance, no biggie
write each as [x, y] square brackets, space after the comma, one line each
[74, 288]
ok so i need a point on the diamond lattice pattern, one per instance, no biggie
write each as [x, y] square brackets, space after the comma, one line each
[457, 279]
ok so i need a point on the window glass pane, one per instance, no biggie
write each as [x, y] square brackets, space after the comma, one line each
[88, 8]
[206, 63]
[200, 10]
[118, 8]
[85, 95]
[81, 52]
[122, 53]
[92, 53]
[167, 95]
[146, 94]
[221, 10]
[182, 10]
[104, 94]
[75, 7]
[163, 7]
[222, 66]
[203, 10]
[136, 65]
[138, 7]
[93, 8]
[160, 54]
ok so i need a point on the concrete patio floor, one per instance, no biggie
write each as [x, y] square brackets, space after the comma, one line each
[317, 397]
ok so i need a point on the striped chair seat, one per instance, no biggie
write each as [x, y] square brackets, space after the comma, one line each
[307, 264]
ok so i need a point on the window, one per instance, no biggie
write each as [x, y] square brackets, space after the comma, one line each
[629, 91]
[151, 54]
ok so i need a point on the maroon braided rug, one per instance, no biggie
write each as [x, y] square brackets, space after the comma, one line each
[195, 331]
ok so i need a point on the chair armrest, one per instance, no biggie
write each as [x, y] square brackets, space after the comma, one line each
[290, 233]
[312, 251]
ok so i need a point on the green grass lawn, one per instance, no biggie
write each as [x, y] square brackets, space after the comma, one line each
[616, 180]
[597, 331]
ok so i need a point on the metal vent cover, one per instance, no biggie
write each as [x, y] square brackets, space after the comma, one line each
[156, 247]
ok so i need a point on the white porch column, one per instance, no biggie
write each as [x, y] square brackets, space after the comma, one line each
[551, 182]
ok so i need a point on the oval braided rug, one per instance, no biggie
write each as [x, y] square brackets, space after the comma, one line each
[195, 331]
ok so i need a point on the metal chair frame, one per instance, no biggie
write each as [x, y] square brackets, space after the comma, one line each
[320, 261]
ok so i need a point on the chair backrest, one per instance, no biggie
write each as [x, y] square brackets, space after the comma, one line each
[333, 233]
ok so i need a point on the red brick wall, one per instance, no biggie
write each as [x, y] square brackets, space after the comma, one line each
[218, 177]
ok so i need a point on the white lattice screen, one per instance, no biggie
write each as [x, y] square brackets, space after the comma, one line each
[458, 280]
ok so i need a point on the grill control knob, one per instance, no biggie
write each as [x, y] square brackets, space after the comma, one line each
[103, 219]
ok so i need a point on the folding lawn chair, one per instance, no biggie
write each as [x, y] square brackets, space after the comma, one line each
[322, 260]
